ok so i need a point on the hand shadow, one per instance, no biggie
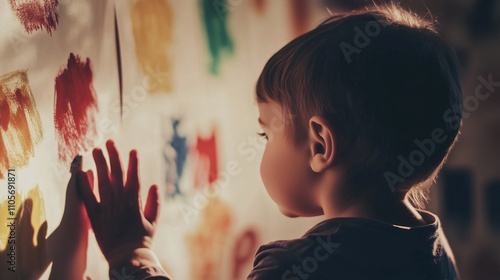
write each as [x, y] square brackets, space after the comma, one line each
[66, 247]
[29, 260]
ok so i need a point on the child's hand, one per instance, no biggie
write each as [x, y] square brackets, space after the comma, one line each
[67, 245]
[118, 220]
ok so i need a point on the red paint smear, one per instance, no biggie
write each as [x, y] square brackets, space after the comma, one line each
[300, 16]
[5, 115]
[4, 159]
[74, 109]
[20, 122]
[36, 14]
[243, 251]
[4, 124]
[207, 153]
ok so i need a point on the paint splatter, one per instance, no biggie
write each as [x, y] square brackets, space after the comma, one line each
[206, 245]
[152, 25]
[175, 152]
[243, 251]
[75, 106]
[206, 164]
[300, 16]
[218, 38]
[30, 241]
[36, 14]
[20, 124]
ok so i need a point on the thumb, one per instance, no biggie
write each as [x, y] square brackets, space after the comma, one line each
[152, 205]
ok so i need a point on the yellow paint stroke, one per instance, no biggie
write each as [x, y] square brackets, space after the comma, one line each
[152, 26]
[20, 124]
[37, 211]
[207, 244]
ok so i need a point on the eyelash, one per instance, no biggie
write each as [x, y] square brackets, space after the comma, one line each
[262, 134]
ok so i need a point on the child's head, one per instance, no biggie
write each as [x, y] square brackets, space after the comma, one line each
[381, 85]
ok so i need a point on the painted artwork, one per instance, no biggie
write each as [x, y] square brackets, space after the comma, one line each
[153, 27]
[206, 245]
[35, 15]
[175, 152]
[173, 80]
[219, 40]
[207, 164]
[21, 128]
[49, 112]
[75, 107]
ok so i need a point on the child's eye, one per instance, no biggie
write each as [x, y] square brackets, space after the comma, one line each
[263, 135]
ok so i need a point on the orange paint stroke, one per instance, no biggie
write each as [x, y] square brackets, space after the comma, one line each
[20, 124]
[152, 26]
[207, 244]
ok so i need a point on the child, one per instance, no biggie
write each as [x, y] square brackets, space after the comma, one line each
[369, 105]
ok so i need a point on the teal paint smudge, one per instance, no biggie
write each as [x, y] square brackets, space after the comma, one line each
[218, 38]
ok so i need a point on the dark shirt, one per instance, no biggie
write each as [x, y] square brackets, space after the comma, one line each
[360, 248]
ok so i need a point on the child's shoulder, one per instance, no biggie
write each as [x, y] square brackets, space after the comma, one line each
[353, 248]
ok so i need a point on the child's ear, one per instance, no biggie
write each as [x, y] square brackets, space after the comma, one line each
[321, 143]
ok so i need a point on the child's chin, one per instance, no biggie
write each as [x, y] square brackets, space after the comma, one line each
[291, 214]
[288, 213]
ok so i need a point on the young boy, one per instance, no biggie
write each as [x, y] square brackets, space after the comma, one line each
[369, 105]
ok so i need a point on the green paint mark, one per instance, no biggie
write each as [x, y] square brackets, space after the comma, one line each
[218, 38]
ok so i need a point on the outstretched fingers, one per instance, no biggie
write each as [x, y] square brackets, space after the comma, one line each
[116, 167]
[132, 186]
[105, 187]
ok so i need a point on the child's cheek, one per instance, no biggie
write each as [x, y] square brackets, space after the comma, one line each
[273, 173]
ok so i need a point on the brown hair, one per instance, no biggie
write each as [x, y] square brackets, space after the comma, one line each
[385, 80]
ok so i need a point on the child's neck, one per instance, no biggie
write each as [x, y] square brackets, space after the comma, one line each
[386, 209]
